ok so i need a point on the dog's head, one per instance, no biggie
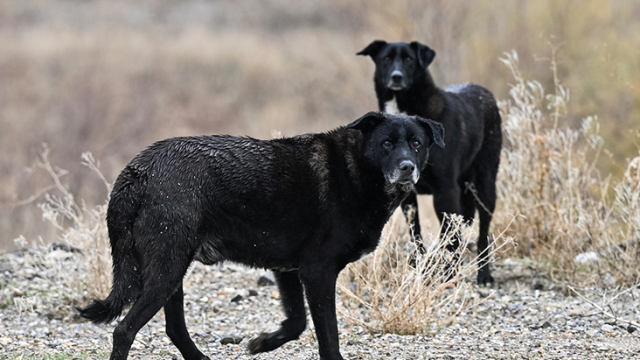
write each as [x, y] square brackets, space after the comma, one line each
[399, 145]
[399, 63]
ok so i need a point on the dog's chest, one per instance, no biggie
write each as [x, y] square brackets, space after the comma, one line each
[391, 107]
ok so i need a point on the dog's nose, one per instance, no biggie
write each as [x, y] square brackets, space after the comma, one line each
[407, 167]
[396, 76]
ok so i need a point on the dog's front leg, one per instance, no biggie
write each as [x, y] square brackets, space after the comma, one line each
[410, 210]
[447, 203]
[320, 287]
[293, 304]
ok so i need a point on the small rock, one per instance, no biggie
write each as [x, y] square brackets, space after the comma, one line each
[631, 329]
[545, 325]
[231, 340]
[64, 247]
[275, 295]
[202, 334]
[237, 298]
[538, 286]
[265, 281]
[253, 292]
[5, 341]
[17, 292]
[587, 257]
[607, 328]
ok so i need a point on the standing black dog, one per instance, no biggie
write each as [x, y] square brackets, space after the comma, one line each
[304, 207]
[462, 176]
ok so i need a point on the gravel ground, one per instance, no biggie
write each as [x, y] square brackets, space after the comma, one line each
[523, 317]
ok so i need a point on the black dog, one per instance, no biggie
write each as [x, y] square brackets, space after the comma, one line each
[304, 207]
[462, 176]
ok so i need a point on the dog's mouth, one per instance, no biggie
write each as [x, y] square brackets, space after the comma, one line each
[396, 81]
[395, 87]
[404, 182]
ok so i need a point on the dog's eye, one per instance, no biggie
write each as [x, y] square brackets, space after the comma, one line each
[415, 144]
[408, 60]
[386, 60]
[386, 144]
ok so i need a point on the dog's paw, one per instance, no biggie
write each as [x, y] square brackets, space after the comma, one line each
[484, 277]
[259, 344]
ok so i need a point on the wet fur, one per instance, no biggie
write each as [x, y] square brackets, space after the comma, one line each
[461, 176]
[303, 207]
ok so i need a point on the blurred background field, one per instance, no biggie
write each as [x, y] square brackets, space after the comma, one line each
[111, 77]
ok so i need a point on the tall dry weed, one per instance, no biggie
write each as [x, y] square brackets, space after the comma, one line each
[79, 227]
[548, 177]
[384, 293]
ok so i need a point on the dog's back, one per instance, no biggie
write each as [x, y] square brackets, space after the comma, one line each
[474, 123]
[303, 207]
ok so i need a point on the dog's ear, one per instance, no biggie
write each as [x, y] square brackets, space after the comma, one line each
[373, 49]
[425, 54]
[367, 122]
[434, 128]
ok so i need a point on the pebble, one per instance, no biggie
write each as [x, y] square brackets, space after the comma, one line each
[265, 281]
[231, 340]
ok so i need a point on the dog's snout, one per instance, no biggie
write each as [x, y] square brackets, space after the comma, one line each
[407, 167]
[397, 76]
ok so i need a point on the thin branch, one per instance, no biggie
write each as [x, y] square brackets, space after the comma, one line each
[603, 311]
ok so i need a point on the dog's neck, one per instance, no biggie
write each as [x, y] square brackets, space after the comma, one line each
[367, 183]
[423, 98]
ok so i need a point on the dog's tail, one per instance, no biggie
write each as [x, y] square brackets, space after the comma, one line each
[126, 285]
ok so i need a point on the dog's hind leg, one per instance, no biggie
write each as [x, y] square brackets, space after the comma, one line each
[467, 203]
[163, 270]
[177, 329]
[292, 297]
[486, 205]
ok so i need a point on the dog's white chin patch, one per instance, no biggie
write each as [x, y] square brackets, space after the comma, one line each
[391, 107]
[394, 178]
[415, 176]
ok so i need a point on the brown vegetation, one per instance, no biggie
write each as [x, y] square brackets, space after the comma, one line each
[110, 77]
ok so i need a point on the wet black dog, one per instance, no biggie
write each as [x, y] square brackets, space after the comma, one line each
[462, 176]
[304, 207]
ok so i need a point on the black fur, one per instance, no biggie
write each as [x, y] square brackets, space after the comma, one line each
[462, 176]
[304, 207]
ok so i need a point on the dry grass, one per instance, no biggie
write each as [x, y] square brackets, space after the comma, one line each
[113, 76]
[384, 293]
[548, 177]
[79, 227]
